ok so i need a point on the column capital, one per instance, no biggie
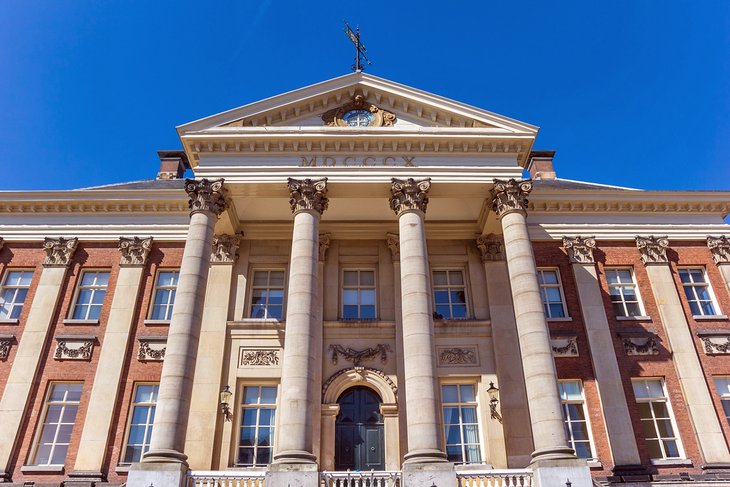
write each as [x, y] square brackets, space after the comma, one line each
[580, 249]
[719, 246]
[224, 249]
[653, 249]
[59, 251]
[206, 195]
[324, 244]
[491, 247]
[393, 240]
[134, 250]
[509, 196]
[308, 194]
[409, 194]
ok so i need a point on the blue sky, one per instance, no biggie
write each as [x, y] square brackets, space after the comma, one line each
[632, 93]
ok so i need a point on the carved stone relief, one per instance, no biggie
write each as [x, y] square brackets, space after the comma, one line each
[491, 247]
[152, 348]
[357, 357]
[225, 249]
[59, 251]
[409, 194]
[393, 240]
[206, 195]
[134, 250]
[580, 249]
[264, 358]
[74, 347]
[653, 249]
[511, 195]
[641, 345]
[716, 344]
[6, 341]
[720, 248]
[380, 117]
[308, 194]
[457, 356]
[564, 346]
[324, 245]
[360, 372]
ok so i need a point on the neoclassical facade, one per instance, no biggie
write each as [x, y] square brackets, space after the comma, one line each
[360, 283]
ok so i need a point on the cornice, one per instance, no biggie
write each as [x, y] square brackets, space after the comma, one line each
[644, 202]
[339, 230]
[628, 232]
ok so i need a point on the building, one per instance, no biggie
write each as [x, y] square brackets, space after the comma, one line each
[355, 280]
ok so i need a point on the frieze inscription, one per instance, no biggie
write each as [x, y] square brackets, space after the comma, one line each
[357, 161]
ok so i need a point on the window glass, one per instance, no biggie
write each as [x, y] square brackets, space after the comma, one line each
[461, 424]
[623, 291]
[552, 293]
[256, 433]
[13, 291]
[267, 294]
[449, 295]
[90, 296]
[657, 424]
[722, 384]
[576, 418]
[61, 407]
[358, 295]
[698, 292]
[164, 295]
[142, 415]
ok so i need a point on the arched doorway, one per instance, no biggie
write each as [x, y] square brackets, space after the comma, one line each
[359, 439]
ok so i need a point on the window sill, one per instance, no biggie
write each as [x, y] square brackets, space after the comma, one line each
[71, 321]
[671, 462]
[567, 318]
[633, 318]
[42, 469]
[260, 320]
[594, 463]
[156, 322]
[709, 317]
[124, 468]
[7, 321]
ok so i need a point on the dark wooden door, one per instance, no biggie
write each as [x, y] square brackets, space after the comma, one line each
[359, 431]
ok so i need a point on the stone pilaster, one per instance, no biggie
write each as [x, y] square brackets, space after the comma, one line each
[720, 248]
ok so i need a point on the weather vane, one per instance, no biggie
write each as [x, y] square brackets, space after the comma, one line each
[360, 50]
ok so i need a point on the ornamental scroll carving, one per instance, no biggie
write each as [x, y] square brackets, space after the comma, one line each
[509, 196]
[409, 194]
[641, 345]
[564, 346]
[357, 357]
[580, 249]
[259, 358]
[134, 250]
[151, 349]
[59, 251]
[225, 249]
[74, 349]
[206, 195]
[324, 244]
[719, 246]
[653, 249]
[393, 240]
[713, 347]
[458, 356]
[491, 247]
[381, 118]
[5, 344]
[308, 194]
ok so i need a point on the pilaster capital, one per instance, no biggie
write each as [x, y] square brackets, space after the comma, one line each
[409, 194]
[491, 247]
[308, 194]
[580, 249]
[324, 244]
[719, 246]
[224, 249]
[206, 195]
[59, 251]
[393, 240]
[134, 250]
[509, 196]
[653, 249]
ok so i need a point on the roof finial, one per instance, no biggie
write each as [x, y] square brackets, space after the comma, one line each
[360, 50]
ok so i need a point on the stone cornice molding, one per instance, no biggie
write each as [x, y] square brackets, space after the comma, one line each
[134, 250]
[409, 195]
[225, 249]
[580, 249]
[720, 248]
[59, 251]
[491, 247]
[510, 196]
[324, 245]
[206, 195]
[308, 194]
[393, 240]
[626, 202]
[653, 249]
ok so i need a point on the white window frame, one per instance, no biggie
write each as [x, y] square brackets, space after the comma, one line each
[693, 285]
[157, 288]
[449, 287]
[40, 427]
[148, 426]
[722, 385]
[95, 289]
[268, 287]
[584, 406]
[358, 287]
[672, 418]
[559, 285]
[477, 408]
[14, 304]
[239, 422]
[621, 285]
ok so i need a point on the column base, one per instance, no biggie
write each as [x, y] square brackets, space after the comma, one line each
[441, 474]
[165, 456]
[83, 478]
[295, 457]
[553, 453]
[169, 474]
[292, 475]
[554, 473]
[424, 456]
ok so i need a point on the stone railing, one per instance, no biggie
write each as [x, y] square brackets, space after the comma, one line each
[373, 478]
[493, 478]
[225, 478]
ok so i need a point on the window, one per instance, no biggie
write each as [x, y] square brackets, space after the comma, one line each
[576, 419]
[552, 293]
[257, 426]
[358, 295]
[698, 292]
[449, 295]
[141, 419]
[461, 426]
[267, 294]
[164, 295]
[656, 419]
[624, 293]
[62, 404]
[13, 292]
[722, 384]
[90, 295]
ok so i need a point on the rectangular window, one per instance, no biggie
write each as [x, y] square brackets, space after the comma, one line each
[449, 295]
[13, 291]
[267, 294]
[358, 295]
[657, 421]
[461, 426]
[722, 384]
[552, 293]
[624, 293]
[165, 288]
[90, 295]
[142, 416]
[576, 417]
[62, 404]
[258, 411]
[698, 292]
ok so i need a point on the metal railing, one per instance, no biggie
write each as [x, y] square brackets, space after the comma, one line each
[493, 478]
[226, 478]
[373, 478]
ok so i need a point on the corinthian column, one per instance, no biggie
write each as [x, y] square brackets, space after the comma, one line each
[308, 200]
